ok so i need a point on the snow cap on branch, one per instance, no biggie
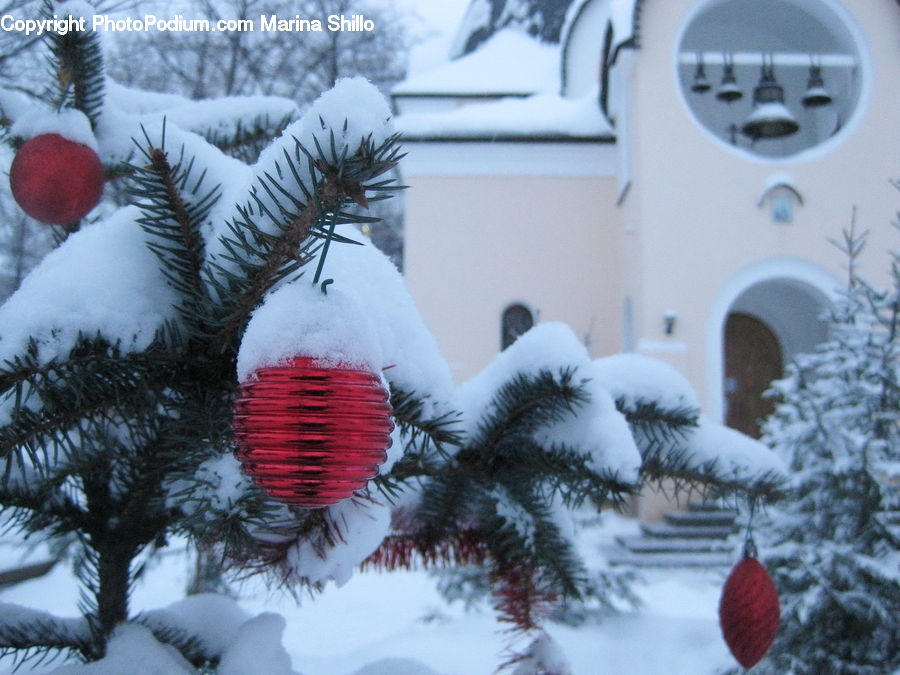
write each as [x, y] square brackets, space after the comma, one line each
[298, 319]
[353, 108]
[70, 124]
[103, 279]
[257, 648]
[367, 319]
[217, 487]
[14, 105]
[737, 456]
[282, 180]
[547, 346]
[358, 527]
[126, 110]
[544, 655]
[15, 618]
[139, 101]
[634, 379]
[602, 432]
[132, 650]
[393, 665]
[220, 629]
[214, 620]
[226, 115]
[117, 133]
[598, 430]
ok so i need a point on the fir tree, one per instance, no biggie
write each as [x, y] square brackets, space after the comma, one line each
[834, 544]
[123, 351]
[542, 19]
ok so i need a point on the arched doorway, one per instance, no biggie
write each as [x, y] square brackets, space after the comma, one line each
[767, 324]
[753, 360]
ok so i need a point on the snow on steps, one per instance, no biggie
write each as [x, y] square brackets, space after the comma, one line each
[666, 530]
[673, 545]
[674, 559]
[695, 538]
[706, 518]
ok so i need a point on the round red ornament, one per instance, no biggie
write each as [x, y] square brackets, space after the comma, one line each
[55, 180]
[748, 611]
[312, 435]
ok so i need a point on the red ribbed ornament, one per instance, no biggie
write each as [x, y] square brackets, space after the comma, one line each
[311, 435]
[55, 180]
[748, 611]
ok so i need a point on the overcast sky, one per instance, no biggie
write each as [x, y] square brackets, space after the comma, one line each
[442, 15]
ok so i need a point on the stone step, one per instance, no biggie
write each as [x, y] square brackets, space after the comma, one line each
[706, 506]
[672, 559]
[663, 530]
[702, 518]
[636, 544]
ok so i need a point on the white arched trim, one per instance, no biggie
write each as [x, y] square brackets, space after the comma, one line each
[582, 47]
[773, 269]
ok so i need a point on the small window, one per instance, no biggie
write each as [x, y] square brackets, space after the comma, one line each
[782, 208]
[517, 319]
[781, 198]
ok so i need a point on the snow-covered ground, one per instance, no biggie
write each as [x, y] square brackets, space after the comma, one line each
[398, 624]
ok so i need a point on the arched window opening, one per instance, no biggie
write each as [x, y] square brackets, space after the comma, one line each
[771, 77]
[517, 319]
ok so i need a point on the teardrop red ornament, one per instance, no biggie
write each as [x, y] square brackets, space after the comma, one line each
[749, 612]
[312, 435]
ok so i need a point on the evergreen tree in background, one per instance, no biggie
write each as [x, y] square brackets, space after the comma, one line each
[122, 353]
[833, 547]
[542, 19]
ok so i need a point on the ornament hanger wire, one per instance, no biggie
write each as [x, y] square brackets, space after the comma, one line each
[329, 236]
[749, 544]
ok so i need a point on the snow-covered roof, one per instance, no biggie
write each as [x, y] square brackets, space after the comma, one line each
[513, 64]
[546, 115]
[510, 63]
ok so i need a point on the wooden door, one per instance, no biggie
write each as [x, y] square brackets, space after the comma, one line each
[752, 360]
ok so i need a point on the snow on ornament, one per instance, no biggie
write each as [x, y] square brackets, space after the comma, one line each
[748, 610]
[56, 180]
[311, 434]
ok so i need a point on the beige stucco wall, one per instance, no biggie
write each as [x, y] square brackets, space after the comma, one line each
[692, 211]
[687, 234]
[475, 244]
